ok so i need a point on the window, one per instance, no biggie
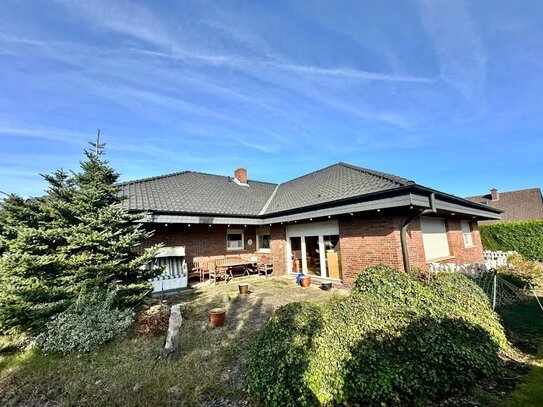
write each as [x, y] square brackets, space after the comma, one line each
[234, 239]
[263, 239]
[434, 238]
[466, 232]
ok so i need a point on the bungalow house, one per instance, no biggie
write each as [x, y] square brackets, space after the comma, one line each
[331, 223]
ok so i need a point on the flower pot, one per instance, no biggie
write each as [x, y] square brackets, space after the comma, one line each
[243, 288]
[217, 316]
[326, 286]
[305, 281]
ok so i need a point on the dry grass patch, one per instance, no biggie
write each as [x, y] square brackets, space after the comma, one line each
[209, 369]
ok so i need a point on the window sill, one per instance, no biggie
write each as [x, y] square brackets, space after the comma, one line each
[263, 251]
[235, 249]
[469, 246]
[438, 259]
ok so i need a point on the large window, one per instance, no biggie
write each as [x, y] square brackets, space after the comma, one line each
[234, 239]
[434, 238]
[466, 232]
[263, 239]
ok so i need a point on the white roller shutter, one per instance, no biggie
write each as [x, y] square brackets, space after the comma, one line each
[434, 237]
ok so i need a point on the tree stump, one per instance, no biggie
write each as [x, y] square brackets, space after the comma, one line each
[171, 343]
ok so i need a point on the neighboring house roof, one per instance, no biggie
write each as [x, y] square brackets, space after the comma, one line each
[205, 195]
[519, 205]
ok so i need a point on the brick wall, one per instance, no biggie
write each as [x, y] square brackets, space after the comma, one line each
[368, 241]
[200, 240]
[364, 241]
[460, 254]
[278, 245]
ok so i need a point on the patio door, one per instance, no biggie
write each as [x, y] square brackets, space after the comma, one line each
[310, 247]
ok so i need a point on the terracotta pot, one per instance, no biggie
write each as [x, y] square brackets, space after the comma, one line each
[217, 316]
[305, 281]
[243, 288]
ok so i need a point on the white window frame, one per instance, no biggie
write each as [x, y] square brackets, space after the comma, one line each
[235, 232]
[465, 225]
[435, 241]
[263, 232]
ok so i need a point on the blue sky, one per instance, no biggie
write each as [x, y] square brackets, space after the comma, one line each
[447, 93]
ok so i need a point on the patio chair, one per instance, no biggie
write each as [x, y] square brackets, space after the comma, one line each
[264, 267]
[218, 271]
[196, 268]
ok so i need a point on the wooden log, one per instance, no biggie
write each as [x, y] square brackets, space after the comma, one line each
[171, 343]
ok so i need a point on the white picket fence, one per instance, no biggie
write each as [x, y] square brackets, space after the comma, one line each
[492, 260]
[496, 259]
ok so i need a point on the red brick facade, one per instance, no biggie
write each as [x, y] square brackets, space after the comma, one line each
[364, 241]
[200, 240]
[370, 241]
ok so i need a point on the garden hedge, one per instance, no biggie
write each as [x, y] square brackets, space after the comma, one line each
[394, 339]
[524, 237]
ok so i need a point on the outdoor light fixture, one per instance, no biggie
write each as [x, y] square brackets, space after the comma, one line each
[378, 210]
[189, 225]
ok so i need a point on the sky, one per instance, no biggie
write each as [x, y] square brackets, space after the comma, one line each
[446, 93]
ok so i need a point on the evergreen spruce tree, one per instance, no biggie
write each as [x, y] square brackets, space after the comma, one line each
[76, 238]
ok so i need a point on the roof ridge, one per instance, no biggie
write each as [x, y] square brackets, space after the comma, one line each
[309, 173]
[134, 181]
[385, 175]
[173, 174]
[268, 202]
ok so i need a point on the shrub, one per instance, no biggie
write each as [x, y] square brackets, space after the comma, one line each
[89, 322]
[153, 321]
[394, 339]
[524, 237]
[521, 271]
[279, 357]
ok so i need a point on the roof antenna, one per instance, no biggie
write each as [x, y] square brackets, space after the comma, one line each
[97, 146]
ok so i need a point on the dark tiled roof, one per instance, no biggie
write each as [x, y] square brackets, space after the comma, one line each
[337, 182]
[517, 205]
[198, 193]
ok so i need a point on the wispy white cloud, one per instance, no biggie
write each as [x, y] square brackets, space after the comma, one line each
[457, 44]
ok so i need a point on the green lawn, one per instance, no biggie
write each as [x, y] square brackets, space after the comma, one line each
[209, 370]
[525, 323]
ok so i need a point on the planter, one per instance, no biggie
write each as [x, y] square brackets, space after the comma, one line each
[217, 316]
[243, 288]
[326, 286]
[305, 281]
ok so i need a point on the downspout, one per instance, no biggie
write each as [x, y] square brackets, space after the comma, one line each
[403, 231]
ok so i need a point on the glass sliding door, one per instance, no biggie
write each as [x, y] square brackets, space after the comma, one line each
[312, 255]
[296, 254]
[313, 249]
[333, 260]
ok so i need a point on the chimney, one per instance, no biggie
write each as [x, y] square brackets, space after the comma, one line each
[241, 175]
[494, 194]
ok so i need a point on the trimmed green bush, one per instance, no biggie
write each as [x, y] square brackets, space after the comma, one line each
[280, 357]
[89, 322]
[521, 271]
[524, 237]
[394, 339]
